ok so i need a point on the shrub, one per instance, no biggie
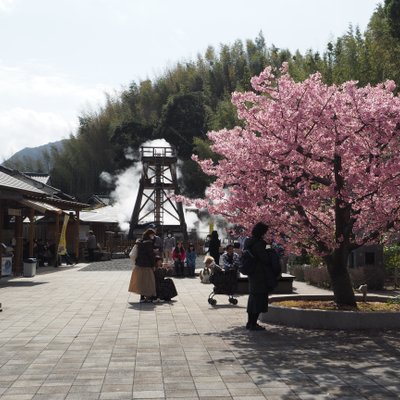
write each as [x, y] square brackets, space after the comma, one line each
[374, 277]
[371, 275]
[391, 257]
[298, 272]
[318, 276]
[357, 276]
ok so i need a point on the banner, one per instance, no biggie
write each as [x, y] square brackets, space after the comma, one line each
[62, 245]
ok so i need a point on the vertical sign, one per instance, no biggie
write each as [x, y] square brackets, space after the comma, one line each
[62, 245]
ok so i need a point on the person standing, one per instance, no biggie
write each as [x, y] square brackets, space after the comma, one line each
[265, 277]
[191, 260]
[179, 256]
[214, 246]
[142, 278]
[158, 243]
[169, 245]
[91, 244]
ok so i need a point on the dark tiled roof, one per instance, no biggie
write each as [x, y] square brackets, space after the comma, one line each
[42, 178]
[9, 182]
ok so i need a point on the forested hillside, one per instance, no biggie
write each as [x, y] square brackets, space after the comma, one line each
[187, 101]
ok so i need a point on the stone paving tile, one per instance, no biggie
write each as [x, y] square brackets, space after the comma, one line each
[82, 336]
[82, 396]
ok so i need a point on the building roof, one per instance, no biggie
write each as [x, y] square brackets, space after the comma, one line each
[51, 199]
[41, 206]
[108, 214]
[42, 178]
[11, 183]
[100, 199]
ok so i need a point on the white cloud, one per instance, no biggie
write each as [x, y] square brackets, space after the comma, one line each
[6, 5]
[19, 84]
[39, 105]
[21, 128]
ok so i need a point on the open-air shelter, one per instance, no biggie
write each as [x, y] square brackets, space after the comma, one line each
[22, 197]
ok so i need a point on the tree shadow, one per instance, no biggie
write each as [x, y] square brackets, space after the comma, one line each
[287, 361]
[21, 283]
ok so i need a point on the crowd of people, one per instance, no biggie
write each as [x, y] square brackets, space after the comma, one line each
[148, 278]
[151, 255]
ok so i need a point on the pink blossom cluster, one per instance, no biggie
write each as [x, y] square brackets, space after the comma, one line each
[319, 164]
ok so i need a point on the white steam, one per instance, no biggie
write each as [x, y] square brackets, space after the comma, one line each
[126, 191]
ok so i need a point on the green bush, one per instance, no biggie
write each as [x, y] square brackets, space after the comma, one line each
[370, 275]
[298, 272]
[391, 257]
[318, 276]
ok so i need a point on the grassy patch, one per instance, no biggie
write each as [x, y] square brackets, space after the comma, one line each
[331, 306]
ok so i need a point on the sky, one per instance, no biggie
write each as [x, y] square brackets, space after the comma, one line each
[58, 58]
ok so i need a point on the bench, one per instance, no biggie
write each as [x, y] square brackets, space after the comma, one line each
[285, 284]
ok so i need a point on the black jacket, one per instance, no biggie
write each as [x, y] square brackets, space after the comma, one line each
[268, 270]
[145, 256]
[213, 249]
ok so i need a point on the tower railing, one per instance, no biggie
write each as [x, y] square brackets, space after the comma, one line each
[155, 152]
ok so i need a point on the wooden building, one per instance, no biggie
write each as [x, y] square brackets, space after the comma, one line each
[22, 197]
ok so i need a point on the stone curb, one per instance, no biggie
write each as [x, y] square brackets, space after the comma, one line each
[335, 320]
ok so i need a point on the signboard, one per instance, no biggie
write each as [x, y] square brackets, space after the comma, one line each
[62, 245]
[6, 266]
[15, 212]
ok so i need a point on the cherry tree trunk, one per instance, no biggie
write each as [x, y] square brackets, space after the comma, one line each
[340, 278]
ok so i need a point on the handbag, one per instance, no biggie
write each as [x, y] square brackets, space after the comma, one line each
[133, 255]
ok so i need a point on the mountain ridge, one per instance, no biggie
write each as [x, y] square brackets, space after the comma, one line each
[34, 157]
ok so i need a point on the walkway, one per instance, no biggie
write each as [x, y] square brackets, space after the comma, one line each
[78, 334]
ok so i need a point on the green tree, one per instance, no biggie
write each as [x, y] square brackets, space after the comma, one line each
[183, 118]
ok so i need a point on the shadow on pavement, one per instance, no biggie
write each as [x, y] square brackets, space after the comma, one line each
[21, 283]
[335, 364]
[148, 306]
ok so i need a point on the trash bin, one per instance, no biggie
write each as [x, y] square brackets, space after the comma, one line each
[30, 267]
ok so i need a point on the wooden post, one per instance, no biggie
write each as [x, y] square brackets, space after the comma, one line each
[1, 232]
[56, 239]
[18, 246]
[77, 235]
[31, 230]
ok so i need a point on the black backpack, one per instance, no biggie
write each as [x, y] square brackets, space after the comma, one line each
[247, 262]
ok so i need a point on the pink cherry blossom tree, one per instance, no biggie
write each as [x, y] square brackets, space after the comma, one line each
[319, 164]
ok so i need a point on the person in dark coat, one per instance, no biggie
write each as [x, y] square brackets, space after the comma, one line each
[265, 277]
[142, 277]
[91, 244]
[214, 246]
[165, 287]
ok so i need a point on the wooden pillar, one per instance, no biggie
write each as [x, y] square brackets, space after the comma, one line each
[76, 244]
[18, 246]
[56, 239]
[1, 231]
[31, 230]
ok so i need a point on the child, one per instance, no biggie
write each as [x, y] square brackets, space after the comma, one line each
[165, 287]
[179, 256]
[191, 259]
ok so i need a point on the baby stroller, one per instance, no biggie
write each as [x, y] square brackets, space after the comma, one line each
[225, 282]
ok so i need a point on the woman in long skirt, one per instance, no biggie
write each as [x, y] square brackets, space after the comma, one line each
[142, 278]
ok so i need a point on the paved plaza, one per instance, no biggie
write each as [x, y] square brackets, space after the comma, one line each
[76, 333]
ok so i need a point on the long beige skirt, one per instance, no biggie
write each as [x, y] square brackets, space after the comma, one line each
[143, 282]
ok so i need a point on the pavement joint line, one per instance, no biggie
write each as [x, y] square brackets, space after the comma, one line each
[85, 325]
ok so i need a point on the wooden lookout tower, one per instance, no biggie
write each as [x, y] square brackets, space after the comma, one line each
[157, 183]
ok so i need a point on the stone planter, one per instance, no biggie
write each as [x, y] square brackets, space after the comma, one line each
[285, 284]
[322, 319]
